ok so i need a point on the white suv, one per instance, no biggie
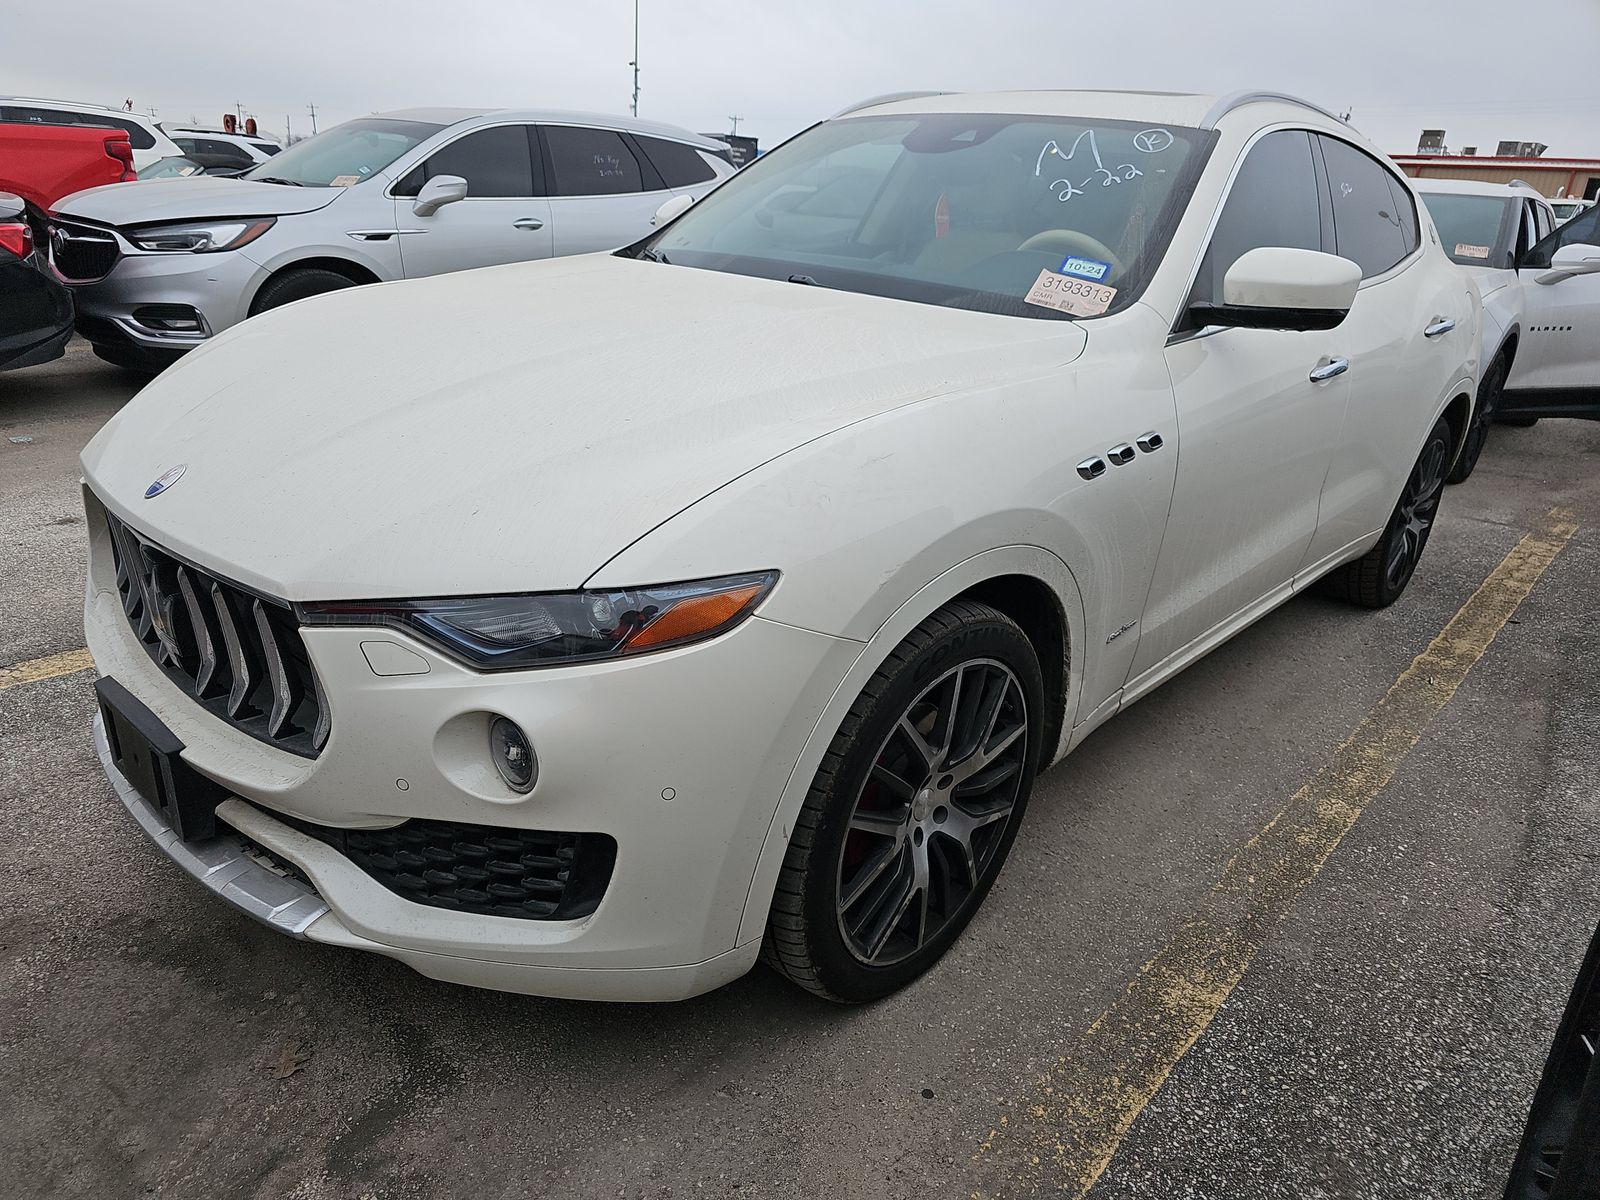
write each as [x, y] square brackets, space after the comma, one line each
[149, 143]
[159, 266]
[582, 626]
[1541, 302]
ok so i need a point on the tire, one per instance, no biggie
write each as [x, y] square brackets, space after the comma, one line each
[136, 360]
[297, 284]
[1378, 577]
[1518, 422]
[912, 813]
[1478, 432]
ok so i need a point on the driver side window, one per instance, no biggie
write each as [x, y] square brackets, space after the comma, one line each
[1581, 230]
[1273, 202]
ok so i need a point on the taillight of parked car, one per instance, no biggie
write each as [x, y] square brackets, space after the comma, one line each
[17, 238]
[122, 151]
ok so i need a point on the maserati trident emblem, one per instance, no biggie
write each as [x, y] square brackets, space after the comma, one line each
[165, 480]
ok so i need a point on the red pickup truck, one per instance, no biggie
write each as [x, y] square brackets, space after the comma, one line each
[43, 163]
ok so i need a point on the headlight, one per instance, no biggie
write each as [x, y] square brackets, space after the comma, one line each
[201, 237]
[505, 633]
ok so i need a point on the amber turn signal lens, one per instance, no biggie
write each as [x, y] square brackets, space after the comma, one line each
[695, 617]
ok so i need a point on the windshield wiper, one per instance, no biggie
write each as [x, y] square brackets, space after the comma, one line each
[277, 179]
[650, 255]
[805, 279]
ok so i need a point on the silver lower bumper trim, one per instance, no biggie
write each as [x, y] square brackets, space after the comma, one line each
[220, 863]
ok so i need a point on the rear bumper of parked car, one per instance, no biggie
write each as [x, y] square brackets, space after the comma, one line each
[680, 757]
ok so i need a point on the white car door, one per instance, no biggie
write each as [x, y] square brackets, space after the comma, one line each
[1557, 369]
[1259, 415]
[504, 217]
[602, 193]
[1411, 316]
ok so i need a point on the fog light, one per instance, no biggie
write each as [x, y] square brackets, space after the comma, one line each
[513, 755]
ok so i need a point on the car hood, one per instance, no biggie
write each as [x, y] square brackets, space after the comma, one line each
[148, 200]
[511, 429]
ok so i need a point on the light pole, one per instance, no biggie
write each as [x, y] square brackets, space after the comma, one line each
[635, 63]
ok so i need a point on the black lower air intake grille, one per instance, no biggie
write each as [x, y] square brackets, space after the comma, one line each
[237, 653]
[485, 869]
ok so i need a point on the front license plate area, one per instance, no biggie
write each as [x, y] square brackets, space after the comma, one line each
[148, 755]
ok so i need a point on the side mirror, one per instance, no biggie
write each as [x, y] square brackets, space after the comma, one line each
[672, 209]
[12, 208]
[437, 192]
[1275, 287]
[1577, 258]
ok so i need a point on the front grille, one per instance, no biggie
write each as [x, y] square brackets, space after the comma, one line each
[82, 253]
[486, 869]
[239, 654]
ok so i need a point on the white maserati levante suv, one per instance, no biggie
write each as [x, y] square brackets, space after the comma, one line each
[594, 627]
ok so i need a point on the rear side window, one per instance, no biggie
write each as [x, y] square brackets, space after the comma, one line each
[591, 162]
[1368, 229]
[1273, 202]
[494, 162]
[677, 164]
[1405, 211]
[223, 152]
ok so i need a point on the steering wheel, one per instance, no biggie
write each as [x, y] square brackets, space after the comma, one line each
[1070, 241]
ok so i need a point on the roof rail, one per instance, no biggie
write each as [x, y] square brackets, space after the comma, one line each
[886, 98]
[1521, 183]
[1239, 99]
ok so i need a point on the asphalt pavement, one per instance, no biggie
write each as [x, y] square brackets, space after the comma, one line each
[1373, 1027]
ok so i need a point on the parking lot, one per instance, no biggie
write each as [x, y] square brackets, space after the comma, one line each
[1156, 1002]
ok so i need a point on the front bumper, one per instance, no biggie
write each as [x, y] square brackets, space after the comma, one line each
[680, 757]
[217, 287]
[289, 906]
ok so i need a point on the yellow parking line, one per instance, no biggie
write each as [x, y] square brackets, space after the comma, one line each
[1061, 1138]
[36, 669]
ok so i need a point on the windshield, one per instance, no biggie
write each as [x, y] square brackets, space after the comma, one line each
[1473, 230]
[345, 154]
[1024, 215]
[171, 168]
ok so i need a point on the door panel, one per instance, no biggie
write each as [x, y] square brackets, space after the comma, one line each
[1257, 433]
[602, 194]
[1557, 368]
[502, 219]
[1257, 436]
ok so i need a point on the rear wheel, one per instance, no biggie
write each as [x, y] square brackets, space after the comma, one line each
[913, 810]
[298, 284]
[1478, 432]
[1377, 578]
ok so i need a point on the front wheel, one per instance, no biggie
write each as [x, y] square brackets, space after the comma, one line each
[1377, 578]
[913, 809]
[298, 284]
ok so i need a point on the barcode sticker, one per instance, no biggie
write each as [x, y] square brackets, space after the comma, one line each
[1080, 297]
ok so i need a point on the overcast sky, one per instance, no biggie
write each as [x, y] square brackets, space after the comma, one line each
[1481, 69]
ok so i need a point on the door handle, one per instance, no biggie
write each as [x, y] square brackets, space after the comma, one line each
[1328, 368]
[528, 223]
[1439, 325]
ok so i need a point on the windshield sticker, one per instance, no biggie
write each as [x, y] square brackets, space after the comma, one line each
[941, 216]
[1152, 141]
[1066, 294]
[1084, 268]
[1464, 250]
[1066, 189]
[344, 180]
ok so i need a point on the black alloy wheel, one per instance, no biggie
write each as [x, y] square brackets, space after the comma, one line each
[913, 810]
[1478, 432]
[1377, 578]
[929, 818]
